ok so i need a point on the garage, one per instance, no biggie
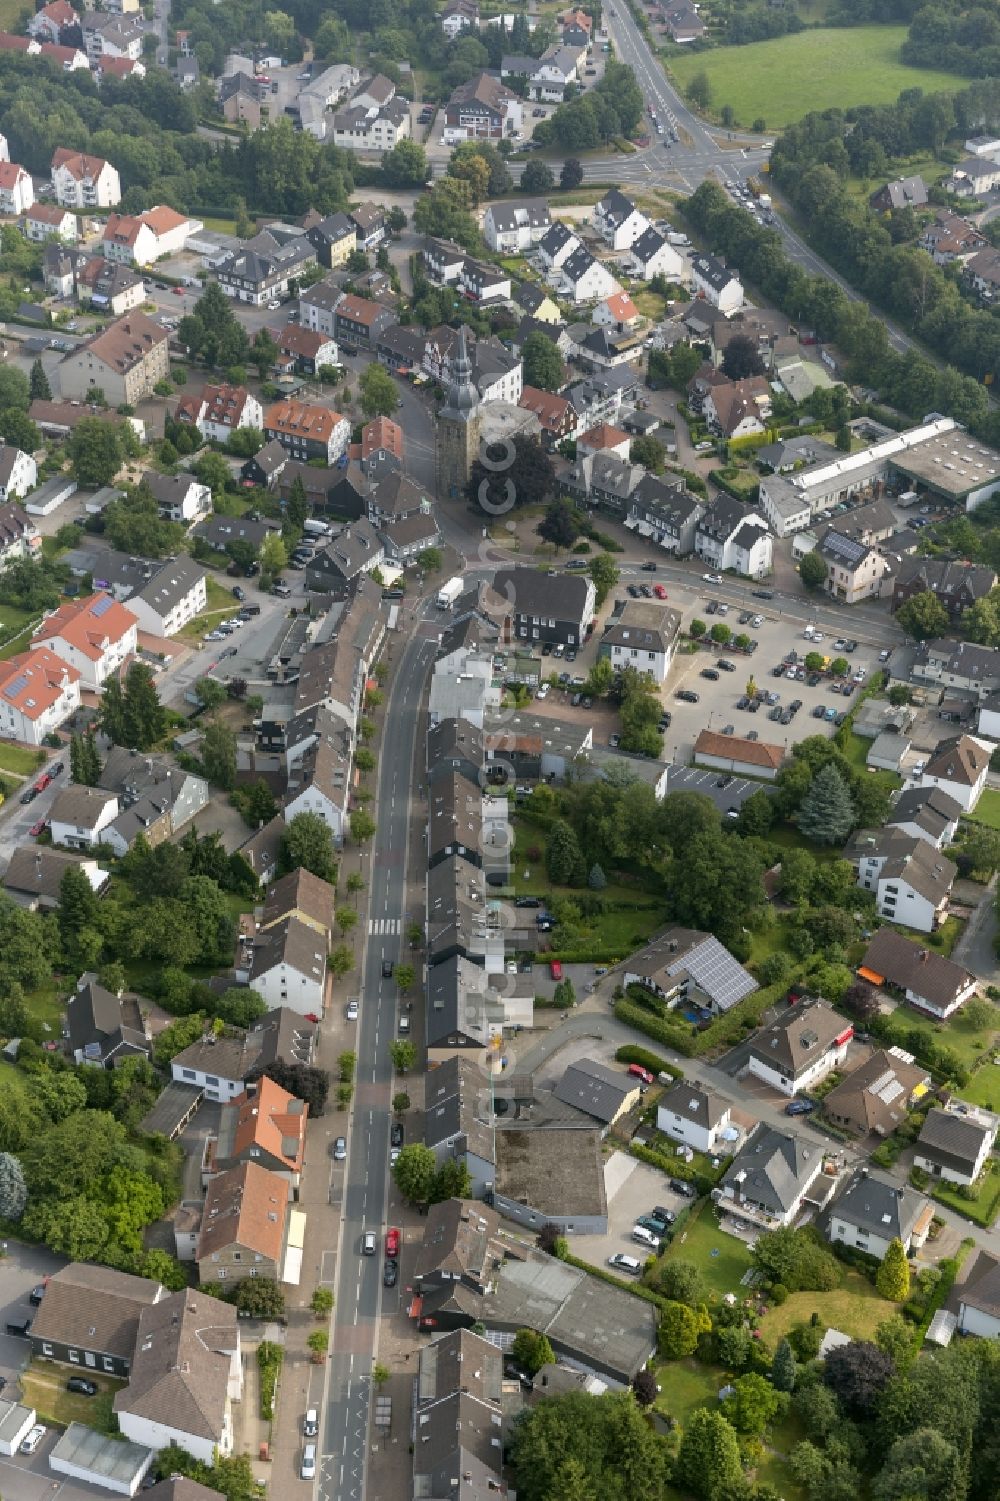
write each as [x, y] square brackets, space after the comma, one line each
[15, 1422]
[110, 1463]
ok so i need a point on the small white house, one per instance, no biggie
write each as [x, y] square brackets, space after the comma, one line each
[556, 246]
[979, 1297]
[17, 193]
[618, 221]
[693, 1115]
[800, 1048]
[18, 472]
[959, 767]
[79, 814]
[955, 1143]
[288, 966]
[870, 1212]
[516, 226]
[716, 283]
[179, 497]
[585, 279]
[93, 636]
[653, 255]
[38, 693]
[174, 595]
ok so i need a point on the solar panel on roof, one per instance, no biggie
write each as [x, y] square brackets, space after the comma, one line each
[844, 547]
[102, 606]
[17, 686]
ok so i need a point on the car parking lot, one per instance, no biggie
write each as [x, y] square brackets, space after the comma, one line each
[726, 792]
[633, 1189]
[21, 1269]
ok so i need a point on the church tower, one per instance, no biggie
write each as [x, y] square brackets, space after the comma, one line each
[458, 422]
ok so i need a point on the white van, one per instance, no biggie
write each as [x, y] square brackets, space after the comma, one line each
[34, 1438]
[308, 1467]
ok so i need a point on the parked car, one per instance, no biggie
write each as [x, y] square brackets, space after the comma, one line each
[340, 1149]
[392, 1242]
[725, 666]
[623, 1263]
[397, 1133]
[686, 1190]
[310, 1423]
[665, 1217]
[710, 673]
[390, 1274]
[653, 1226]
[527, 901]
[800, 1107]
[638, 1072]
[307, 1469]
[555, 969]
[352, 1010]
[688, 695]
[29, 795]
[57, 769]
[82, 1386]
[33, 1439]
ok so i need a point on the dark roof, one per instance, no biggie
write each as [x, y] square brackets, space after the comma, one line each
[36, 870]
[930, 808]
[98, 1021]
[594, 1088]
[180, 1488]
[799, 1038]
[564, 597]
[951, 1138]
[615, 207]
[879, 1207]
[929, 975]
[649, 243]
[94, 1308]
[694, 1102]
[981, 1288]
[773, 1169]
[713, 272]
[451, 1099]
[180, 1373]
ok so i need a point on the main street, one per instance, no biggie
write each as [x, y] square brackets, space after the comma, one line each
[363, 1190]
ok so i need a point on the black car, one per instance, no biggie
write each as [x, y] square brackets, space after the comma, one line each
[397, 1132]
[725, 666]
[82, 1385]
[665, 1216]
[645, 591]
[30, 795]
[36, 1294]
[649, 567]
[795, 705]
[546, 648]
[713, 607]
[634, 591]
[686, 1190]
[688, 695]
[742, 702]
[666, 719]
[390, 1272]
[239, 593]
[387, 968]
[710, 673]
[527, 901]
[762, 593]
[58, 769]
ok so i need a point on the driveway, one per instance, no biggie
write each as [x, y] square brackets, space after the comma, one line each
[21, 1269]
[633, 1189]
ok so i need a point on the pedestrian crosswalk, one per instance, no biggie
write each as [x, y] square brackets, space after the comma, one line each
[383, 927]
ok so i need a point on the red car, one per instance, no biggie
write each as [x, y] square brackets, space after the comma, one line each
[38, 828]
[555, 969]
[659, 591]
[638, 1072]
[392, 1243]
[43, 781]
[177, 291]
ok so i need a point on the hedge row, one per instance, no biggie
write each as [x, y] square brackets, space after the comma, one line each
[675, 1167]
[635, 1288]
[269, 1359]
[631, 1053]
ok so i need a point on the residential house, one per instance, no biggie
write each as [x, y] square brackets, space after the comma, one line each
[370, 222]
[854, 571]
[126, 360]
[79, 814]
[158, 799]
[556, 245]
[603, 439]
[558, 66]
[110, 287]
[972, 671]
[536, 302]
[653, 255]
[18, 473]
[682, 20]
[243, 1225]
[694, 1115]
[381, 448]
[263, 849]
[738, 755]
[979, 1296]
[333, 239]
[926, 813]
[458, 16]
[38, 693]
[103, 1029]
[59, 270]
[545, 608]
[179, 497]
[955, 583]
[951, 238]
[799, 1049]
[220, 411]
[769, 1177]
[554, 413]
[513, 227]
[111, 37]
[617, 312]
[49, 221]
[17, 192]
[483, 109]
[469, 1010]
[185, 1375]
[739, 408]
[455, 1125]
[458, 1421]
[266, 1125]
[732, 535]
[606, 348]
[666, 514]
[959, 767]
[688, 968]
[583, 278]
[618, 221]
[301, 350]
[354, 551]
[716, 283]
[605, 1093]
[95, 637]
[929, 981]
[442, 260]
[307, 431]
[49, 23]
[288, 965]
[172, 597]
[319, 97]
[374, 119]
[19, 537]
[876, 1097]
[34, 876]
[267, 464]
[243, 101]
[260, 272]
[954, 1143]
[89, 1317]
[357, 320]
[221, 1067]
[641, 634]
[141, 239]
[869, 1213]
[905, 192]
[911, 879]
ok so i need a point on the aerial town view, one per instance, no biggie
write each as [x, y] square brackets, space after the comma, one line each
[500, 750]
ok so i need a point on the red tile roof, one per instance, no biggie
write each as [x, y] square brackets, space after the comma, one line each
[35, 680]
[382, 433]
[87, 624]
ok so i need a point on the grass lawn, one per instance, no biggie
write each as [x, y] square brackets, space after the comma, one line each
[44, 1388]
[46, 1005]
[219, 605]
[789, 837]
[984, 1087]
[983, 1208]
[19, 759]
[987, 809]
[687, 1385]
[956, 1033]
[699, 1239]
[784, 79]
[854, 1309]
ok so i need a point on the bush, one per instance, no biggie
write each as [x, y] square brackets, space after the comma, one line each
[656, 1065]
[778, 1293]
[269, 1358]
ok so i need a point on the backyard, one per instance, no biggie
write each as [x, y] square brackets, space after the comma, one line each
[722, 1259]
[44, 1389]
[983, 1088]
[19, 759]
[854, 1308]
[781, 80]
[987, 809]
[982, 1210]
[219, 605]
[967, 1043]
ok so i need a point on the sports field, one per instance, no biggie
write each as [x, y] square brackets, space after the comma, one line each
[782, 80]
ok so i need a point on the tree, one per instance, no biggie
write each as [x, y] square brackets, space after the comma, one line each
[571, 175]
[735, 1345]
[679, 1330]
[537, 178]
[580, 1448]
[858, 1373]
[273, 555]
[379, 397]
[260, 1298]
[699, 90]
[451, 1181]
[756, 815]
[380, 1375]
[13, 1189]
[84, 760]
[827, 814]
[308, 842]
[318, 1342]
[400, 1102]
[741, 358]
[531, 1350]
[95, 451]
[709, 1457]
[923, 616]
[812, 571]
[211, 692]
[403, 1055]
[682, 1282]
[321, 1302]
[979, 1014]
[347, 919]
[38, 383]
[896, 1337]
[240, 1007]
[922, 1466]
[796, 1259]
[78, 906]
[649, 453]
[406, 165]
[561, 523]
[133, 715]
[414, 1172]
[644, 1387]
[605, 574]
[528, 480]
[341, 961]
[565, 993]
[543, 364]
[563, 859]
[218, 755]
[892, 1280]
[405, 976]
[362, 826]
[177, 1036]
[753, 1405]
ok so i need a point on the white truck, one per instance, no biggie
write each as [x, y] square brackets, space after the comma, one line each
[314, 528]
[448, 593]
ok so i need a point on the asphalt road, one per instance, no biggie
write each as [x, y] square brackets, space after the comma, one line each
[366, 1183]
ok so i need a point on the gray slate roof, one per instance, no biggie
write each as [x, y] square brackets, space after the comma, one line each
[879, 1207]
[773, 1169]
[595, 1088]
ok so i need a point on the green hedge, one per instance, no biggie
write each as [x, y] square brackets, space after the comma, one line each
[630, 1053]
[635, 1288]
[682, 1036]
[269, 1359]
